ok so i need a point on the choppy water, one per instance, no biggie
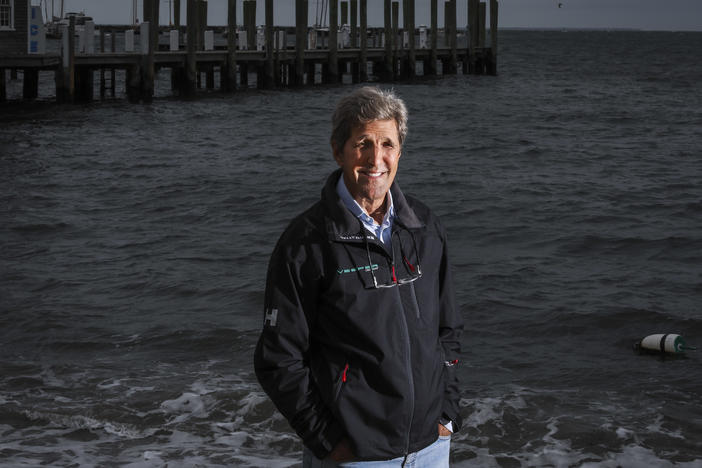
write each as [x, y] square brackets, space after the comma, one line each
[134, 241]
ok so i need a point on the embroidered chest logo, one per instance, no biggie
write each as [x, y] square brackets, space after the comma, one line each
[342, 271]
[271, 317]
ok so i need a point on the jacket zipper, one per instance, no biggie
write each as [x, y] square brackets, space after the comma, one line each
[410, 377]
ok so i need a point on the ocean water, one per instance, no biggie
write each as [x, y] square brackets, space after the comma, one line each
[134, 242]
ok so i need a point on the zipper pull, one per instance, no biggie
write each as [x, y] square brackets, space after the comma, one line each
[343, 375]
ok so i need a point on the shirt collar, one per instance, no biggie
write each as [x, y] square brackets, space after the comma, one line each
[357, 210]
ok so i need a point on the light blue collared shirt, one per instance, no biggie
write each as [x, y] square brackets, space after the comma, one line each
[382, 231]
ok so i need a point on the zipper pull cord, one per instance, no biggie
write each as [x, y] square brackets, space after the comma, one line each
[343, 375]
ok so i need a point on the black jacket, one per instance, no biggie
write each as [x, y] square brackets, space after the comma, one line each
[342, 358]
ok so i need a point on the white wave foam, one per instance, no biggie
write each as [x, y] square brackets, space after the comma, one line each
[86, 422]
[187, 405]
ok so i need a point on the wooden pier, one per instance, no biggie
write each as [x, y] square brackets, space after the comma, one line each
[278, 56]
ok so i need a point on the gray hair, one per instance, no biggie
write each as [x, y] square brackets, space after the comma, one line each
[365, 105]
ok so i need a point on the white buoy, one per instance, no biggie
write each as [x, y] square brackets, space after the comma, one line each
[664, 343]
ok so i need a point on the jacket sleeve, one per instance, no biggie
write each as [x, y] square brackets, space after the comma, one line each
[280, 359]
[450, 330]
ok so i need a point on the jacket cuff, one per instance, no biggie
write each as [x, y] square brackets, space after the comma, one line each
[322, 445]
[453, 417]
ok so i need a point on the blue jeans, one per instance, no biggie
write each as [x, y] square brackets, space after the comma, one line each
[434, 456]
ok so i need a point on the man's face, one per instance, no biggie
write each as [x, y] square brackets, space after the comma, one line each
[369, 161]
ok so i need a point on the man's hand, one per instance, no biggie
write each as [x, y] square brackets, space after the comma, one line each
[443, 432]
[342, 452]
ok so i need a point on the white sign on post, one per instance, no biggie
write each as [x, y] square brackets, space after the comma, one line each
[174, 40]
[144, 37]
[129, 40]
[209, 40]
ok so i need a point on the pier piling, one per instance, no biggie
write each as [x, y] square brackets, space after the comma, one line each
[395, 41]
[3, 90]
[30, 84]
[433, 56]
[301, 17]
[386, 75]
[190, 79]
[230, 82]
[451, 30]
[250, 23]
[492, 69]
[176, 14]
[269, 80]
[332, 75]
[363, 31]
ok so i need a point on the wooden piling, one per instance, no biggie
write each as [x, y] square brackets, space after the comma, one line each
[433, 56]
[103, 85]
[150, 34]
[65, 78]
[481, 24]
[113, 37]
[209, 76]
[133, 83]
[447, 13]
[473, 36]
[388, 67]
[229, 77]
[410, 28]
[190, 82]
[201, 23]
[30, 84]
[155, 23]
[176, 14]
[451, 30]
[269, 79]
[244, 75]
[3, 89]
[84, 84]
[333, 70]
[353, 43]
[146, 10]
[353, 18]
[250, 23]
[492, 69]
[363, 55]
[395, 40]
[301, 17]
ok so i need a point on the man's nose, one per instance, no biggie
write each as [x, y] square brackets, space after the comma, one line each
[375, 155]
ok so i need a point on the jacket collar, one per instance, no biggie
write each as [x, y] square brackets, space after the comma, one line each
[343, 226]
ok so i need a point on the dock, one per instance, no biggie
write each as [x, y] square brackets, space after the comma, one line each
[229, 57]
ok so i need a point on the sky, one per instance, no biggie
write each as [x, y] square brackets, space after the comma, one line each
[665, 15]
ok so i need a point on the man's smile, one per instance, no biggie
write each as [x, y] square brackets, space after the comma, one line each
[372, 174]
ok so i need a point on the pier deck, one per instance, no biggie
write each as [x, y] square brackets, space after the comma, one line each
[317, 55]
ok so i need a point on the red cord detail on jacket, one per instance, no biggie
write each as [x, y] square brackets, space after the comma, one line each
[411, 267]
[343, 376]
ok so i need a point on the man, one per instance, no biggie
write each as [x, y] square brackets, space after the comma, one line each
[361, 334]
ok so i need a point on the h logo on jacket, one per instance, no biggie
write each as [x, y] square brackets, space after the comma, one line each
[271, 318]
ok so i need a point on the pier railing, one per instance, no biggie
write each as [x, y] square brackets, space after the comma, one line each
[278, 56]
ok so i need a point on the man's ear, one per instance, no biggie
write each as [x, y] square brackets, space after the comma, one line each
[337, 154]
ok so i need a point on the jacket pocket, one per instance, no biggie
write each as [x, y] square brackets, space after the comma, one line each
[340, 381]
